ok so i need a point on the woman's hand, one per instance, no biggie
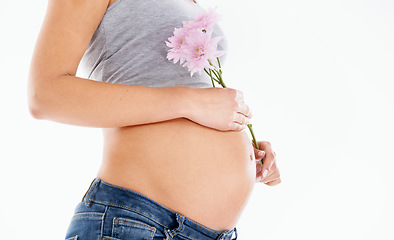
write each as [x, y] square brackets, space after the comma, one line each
[223, 109]
[269, 172]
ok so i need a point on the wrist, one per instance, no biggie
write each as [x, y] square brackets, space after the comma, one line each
[186, 101]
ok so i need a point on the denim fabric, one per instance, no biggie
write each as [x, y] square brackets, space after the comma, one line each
[109, 212]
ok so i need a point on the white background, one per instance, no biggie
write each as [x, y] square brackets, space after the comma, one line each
[318, 76]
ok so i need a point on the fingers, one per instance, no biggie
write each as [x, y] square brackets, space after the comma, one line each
[272, 175]
[258, 156]
[239, 95]
[237, 127]
[267, 173]
[243, 108]
[270, 155]
[273, 183]
[240, 119]
[265, 145]
[272, 178]
[242, 113]
[268, 161]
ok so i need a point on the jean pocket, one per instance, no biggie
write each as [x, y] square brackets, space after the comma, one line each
[84, 225]
[131, 229]
[73, 238]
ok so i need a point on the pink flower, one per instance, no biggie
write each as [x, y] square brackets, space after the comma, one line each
[192, 45]
[204, 22]
[176, 42]
[199, 49]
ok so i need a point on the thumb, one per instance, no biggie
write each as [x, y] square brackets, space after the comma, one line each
[258, 154]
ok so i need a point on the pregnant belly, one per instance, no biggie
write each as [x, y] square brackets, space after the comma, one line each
[201, 173]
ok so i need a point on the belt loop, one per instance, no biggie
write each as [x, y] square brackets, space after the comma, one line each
[168, 234]
[85, 198]
[236, 234]
[171, 233]
[180, 219]
[228, 235]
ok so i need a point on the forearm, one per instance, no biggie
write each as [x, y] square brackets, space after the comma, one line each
[83, 102]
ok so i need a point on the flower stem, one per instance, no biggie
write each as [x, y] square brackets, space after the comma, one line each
[210, 74]
[219, 77]
[221, 80]
[212, 78]
[254, 140]
[218, 74]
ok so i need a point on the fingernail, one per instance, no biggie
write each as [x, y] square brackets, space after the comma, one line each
[261, 153]
[258, 179]
[265, 173]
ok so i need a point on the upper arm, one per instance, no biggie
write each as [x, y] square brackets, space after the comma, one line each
[65, 34]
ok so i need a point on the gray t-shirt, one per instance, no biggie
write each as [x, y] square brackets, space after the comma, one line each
[128, 46]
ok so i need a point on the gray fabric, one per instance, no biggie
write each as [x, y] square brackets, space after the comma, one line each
[128, 46]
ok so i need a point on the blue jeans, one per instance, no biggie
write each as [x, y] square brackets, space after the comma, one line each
[109, 212]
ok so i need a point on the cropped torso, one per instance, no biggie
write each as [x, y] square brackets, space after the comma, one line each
[204, 174]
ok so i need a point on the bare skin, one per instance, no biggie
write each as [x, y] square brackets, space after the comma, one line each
[157, 141]
[204, 174]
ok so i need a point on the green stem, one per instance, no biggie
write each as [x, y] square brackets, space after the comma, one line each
[210, 74]
[254, 140]
[212, 78]
[207, 72]
[218, 74]
[219, 77]
[219, 62]
[220, 67]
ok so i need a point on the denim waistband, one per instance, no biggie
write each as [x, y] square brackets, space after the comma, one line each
[105, 193]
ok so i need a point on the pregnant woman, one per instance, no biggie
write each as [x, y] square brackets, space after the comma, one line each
[177, 163]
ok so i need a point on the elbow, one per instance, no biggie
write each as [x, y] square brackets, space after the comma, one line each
[35, 100]
[35, 112]
[35, 106]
